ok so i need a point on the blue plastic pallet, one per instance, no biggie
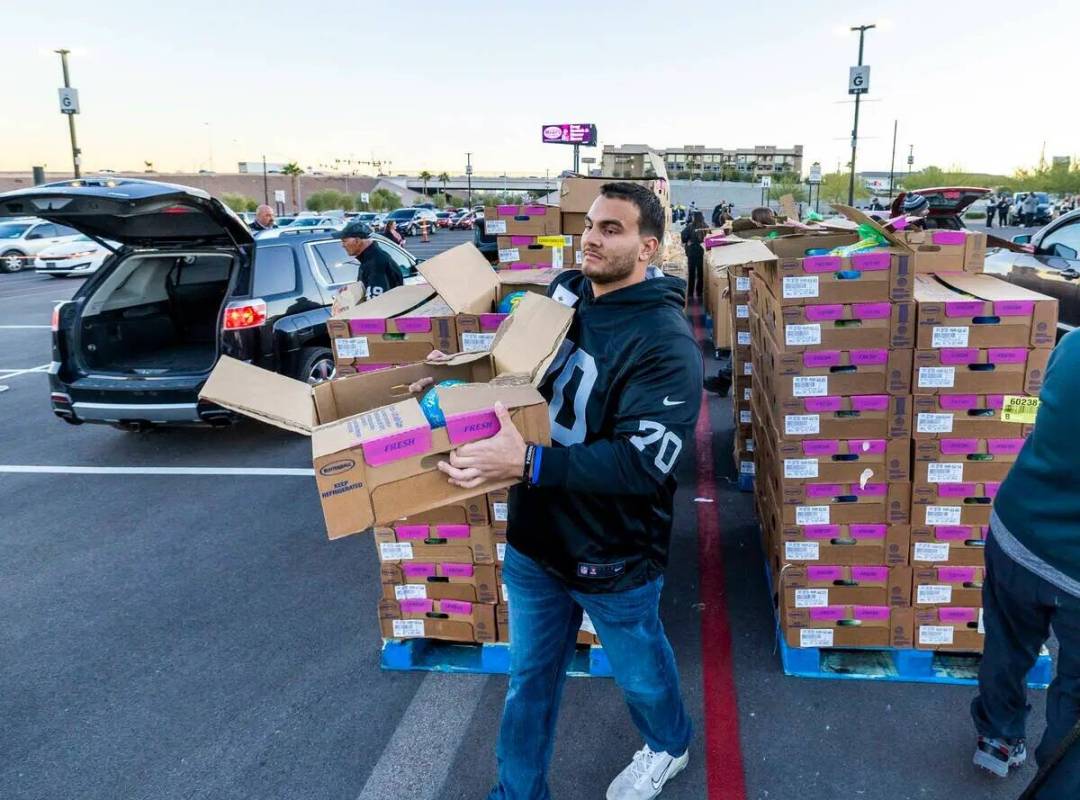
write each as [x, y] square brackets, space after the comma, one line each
[432, 655]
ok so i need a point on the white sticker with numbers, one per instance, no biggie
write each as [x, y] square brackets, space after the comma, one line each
[943, 515]
[811, 598]
[477, 342]
[934, 423]
[411, 591]
[507, 254]
[815, 637]
[935, 634]
[742, 284]
[743, 338]
[356, 347]
[937, 377]
[798, 335]
[934, 552]
[746, 394]
[494, 226]
[505, 594]
[933, 593]
[802, 424]
[500, 551]
[556, 258]
[945, 473]
[949, 337]
[746, 417]
[747, 468]
[802, 551]
[800, 467]
[500, 511]
[742, 312]
[810, 385]
[747, 368]
[800, 287]
[408, 628]
[981, 628]
[395, 551]
[811, 515]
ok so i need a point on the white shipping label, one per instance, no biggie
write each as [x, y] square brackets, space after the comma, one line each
[800, 468]
[477, 342]
[815, 637]
[934, 423]
[408, 628]
[500, 551]
[935, 634]
[945, 473]
[747, 368]
[811, 598]
[943, 515]
[810, 385]
[949, 337]
[556, 258]
[395, 551]
[742, 312]
[505, 594]
[746, 394]
[500, 511]
[567, 241]
[564, 296]
[937, 377]
[802, 424]
[797, 335]
[742, 284]
[933, 593]
[749, 445]
[811, 515]
[747, 468]
[743, 338]
[801, 287]
[509, 254]
[586, 624]
[981, 628]
[802, 551]
[934, 552]
[411, 591]
[579, 257]
[746, 417]
[352, 348]
[494, 226]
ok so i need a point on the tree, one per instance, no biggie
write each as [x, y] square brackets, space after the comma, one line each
[384, 200]
[293, 170]
[425, 176]
[238, 202]
[149, 166]
[781, 187]
[329, 199]
[834, 188]
[444, 178]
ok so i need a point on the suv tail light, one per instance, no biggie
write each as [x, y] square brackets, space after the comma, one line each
[55, 322]
[245, 314]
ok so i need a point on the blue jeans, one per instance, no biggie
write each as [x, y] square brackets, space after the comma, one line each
[1019, 609]
[544, 619]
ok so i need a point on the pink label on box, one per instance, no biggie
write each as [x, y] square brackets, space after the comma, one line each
[870, 490]
[362, 368]
[452, 531]
[1014, 308]
[821, 447]
[947, 237]
[1007, 355]
[714, 240]
[995, 401]
[506, 211]
[521, 241]
[827, 613]
[867, 531]
[963, 615]
[819, 404]
[491, 322]
[416, 605]
[472, 425]
[821, 358]
[413, 324]
[871, 310]
[991, 488]
[870, 574]
[869, 358]
[956, 574]
[953, 533]
[963, 308]
[524, 265]
[865, 447]
[455, 607]
[958, 402]
[820, 531]
[418, 570]
[535, 211]
[367, 326]
[959, 355]
[824, 573]
[412, 531]
[814, 264]
[872, 613]
[397, 446]
[1004, 447]
[457, 570]
[959, 447]
[956, 489]
[823, 489]
[870, 402]
[871, 262]
[823, 313]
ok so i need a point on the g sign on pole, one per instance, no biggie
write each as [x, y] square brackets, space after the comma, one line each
[69, 100]
[859, 79]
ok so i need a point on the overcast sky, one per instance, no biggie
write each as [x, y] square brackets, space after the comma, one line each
[979, 85]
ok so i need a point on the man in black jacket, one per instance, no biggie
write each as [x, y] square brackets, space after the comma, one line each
[378, 272]
[590, 525]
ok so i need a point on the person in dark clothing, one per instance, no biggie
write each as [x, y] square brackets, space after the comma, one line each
[393, 234]
[718, 215]
[991, 209]
[590, 524]
[1032, 584]
[693, 235]
[264, 219]
[378, 272]
[1003, 210]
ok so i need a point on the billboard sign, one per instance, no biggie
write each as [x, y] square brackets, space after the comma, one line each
[570, 133]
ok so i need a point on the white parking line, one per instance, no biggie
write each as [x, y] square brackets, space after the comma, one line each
[277, 472]
[12, 373]
[24, 327]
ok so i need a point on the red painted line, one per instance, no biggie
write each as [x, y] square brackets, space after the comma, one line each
[724, 777]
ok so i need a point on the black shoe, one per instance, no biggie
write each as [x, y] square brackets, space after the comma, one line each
[720, 385]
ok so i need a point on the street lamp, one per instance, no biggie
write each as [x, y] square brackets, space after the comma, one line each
[69, 104]
[468, 176]
[857, 86]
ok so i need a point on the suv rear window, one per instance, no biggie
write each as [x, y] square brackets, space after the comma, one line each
[275, 271]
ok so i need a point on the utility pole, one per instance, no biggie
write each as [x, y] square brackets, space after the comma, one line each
[468, 176]
[70, 107]
[910, 157]
[266, 183]
[858, 90]
[892, 163]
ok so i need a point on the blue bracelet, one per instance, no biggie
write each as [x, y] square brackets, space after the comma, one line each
[534, 478]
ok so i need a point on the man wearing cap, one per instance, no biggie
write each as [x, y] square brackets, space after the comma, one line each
[916, 209]
[378, 272]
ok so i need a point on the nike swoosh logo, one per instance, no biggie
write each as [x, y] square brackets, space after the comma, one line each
[668, 402]
[659, 782]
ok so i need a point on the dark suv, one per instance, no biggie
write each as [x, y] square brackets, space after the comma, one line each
[137, 341]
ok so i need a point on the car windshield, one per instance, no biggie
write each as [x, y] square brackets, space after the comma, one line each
[403, 213]
[12, 231]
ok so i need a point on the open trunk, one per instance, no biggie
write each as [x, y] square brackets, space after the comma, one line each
[156, 314]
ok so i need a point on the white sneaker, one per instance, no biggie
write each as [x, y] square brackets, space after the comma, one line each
[645, 775]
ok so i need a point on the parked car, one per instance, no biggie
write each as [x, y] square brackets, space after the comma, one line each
[138, 339]
[442, 218]
[284, 222]
[409, 220]
[486, 243]
[80, 257]
[317, 222]
[465, 220]
[367, 217]
[22, 239]
[1044, 211]
[947, 204]
[1047, 262]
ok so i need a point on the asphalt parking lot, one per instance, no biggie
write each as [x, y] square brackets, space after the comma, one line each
[192, 634]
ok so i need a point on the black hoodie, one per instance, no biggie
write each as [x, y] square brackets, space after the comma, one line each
[624, 394]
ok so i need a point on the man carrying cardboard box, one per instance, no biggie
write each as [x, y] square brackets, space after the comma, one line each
[590, 526]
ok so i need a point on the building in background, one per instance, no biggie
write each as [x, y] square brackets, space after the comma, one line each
[700, 161]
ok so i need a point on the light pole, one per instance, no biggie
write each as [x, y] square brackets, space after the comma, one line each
[70, 111]
[892, 164]
[910, 157]
[266, 183]
[468, 176]
[862, 29]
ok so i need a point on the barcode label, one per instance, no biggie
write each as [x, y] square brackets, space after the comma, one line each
[802, 424]
[800, 287]
[931, 551]
[411, 591]
[500, 511]
[395, 551]
[934, 423]
[742, 312]
[742, 284]
[746, 417]
[810, 385]
[494, 226]
[509, 254]
[811, 515]
[935, 634]
[932, 594]
[949, 337]
[743, 338]
[802, 551]
[408, 628]
[811, 598]
[815, 637]
[945, 473]
[943, 515]
[798, 335]
[937, 377]
[800, 468]
[476, 342]
[356, 347]
[500, 551]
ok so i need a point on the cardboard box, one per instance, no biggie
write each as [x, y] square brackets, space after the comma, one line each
[498, 508]
[953, 628]
[955, 545]
[539, 252]
[840, 503]
[474, 583]
[969, 370]
[844, 460]
[960, 460]
[821, 585]
[944, 250]
[961, 309]
[451, 620]
[742, 386]
[438, 543]
[470, 511]
[576, 195]
[849, 626]
[522, 220]
[374, 452]
[879, 416]
[947, 586]
[400, 326]
[477, 330]
[964, 416]
[952, 503]
[876, 543]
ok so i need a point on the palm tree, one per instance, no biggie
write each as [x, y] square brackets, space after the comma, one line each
[425, 176]
[149, 166]
[293, 170]
[444, 179]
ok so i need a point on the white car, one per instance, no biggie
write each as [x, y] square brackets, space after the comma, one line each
[22, 239]
[75, 258]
